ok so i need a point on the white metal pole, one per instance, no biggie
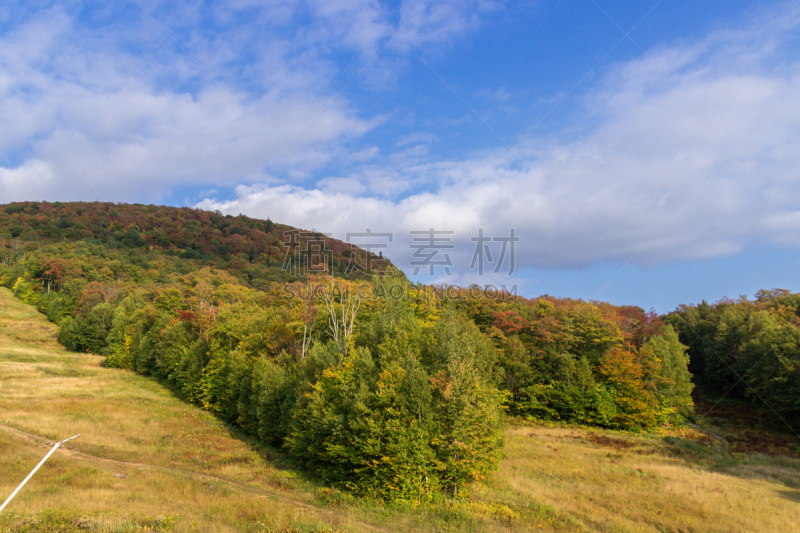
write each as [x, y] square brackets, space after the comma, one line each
[34, 470]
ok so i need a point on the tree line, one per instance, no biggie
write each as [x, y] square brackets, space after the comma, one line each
[747, 349]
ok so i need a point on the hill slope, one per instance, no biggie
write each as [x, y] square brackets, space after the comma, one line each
[147, 461]
[250, 249]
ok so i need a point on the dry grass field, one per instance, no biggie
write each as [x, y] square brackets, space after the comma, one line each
[146, 461]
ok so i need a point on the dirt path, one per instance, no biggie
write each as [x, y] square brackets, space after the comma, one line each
[65, 450]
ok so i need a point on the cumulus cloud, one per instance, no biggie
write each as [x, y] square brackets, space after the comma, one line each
[693, 152]
[165, 100]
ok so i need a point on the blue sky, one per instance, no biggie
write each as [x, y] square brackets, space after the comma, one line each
[645, 153]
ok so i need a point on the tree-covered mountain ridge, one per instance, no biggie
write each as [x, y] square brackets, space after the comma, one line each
[254, 251]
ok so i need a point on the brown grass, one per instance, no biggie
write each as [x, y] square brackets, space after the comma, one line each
[146, 461]
[639, 484]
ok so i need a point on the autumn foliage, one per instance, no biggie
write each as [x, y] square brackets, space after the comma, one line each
[387, 389]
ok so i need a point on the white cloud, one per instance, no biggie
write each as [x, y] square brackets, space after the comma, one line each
[427, 23]
[499, 95]
[130, 116]
[418, 137]
[357, 24]
[694, 153]
[32, 172]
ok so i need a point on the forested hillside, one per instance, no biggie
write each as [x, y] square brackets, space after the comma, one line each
[384, 388]
[251, 250]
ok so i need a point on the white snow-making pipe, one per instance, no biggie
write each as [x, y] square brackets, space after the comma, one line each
[46, 457]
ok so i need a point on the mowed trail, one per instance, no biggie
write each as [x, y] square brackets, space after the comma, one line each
[126, 466]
